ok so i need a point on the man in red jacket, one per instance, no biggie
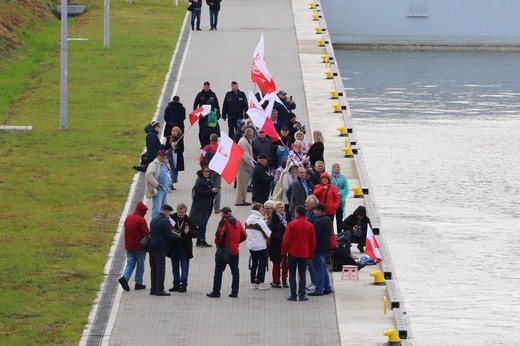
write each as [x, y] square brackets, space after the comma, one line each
[299, 241]
[231, 233]
[135, 230]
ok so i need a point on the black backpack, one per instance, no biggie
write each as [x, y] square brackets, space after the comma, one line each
[208, 155]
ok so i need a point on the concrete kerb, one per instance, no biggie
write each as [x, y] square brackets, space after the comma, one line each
[131, 201]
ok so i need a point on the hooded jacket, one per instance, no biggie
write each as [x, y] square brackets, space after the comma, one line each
[174, 115]
[230, 232]
[352, 220]
[136, 228]
[343, 186]
[202, 200]
[256, 239]
[327, 194]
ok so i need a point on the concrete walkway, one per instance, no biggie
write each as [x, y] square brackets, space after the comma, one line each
[353, 315]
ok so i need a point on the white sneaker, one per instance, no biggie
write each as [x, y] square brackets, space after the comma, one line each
[263, 286]
[254, 286]
[311, 287]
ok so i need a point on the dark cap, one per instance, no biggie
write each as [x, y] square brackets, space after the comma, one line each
[161, 152]
[206, 83]
[233, 82]
[262, 156]
[320, 207]
[176, 98]
[226, 210]
[283, 92]
[241, 123]
[292, 115]
[166, 207]
[155, 123]
[284, 128]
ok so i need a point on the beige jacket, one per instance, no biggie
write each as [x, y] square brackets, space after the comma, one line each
[151, 175]
[246, 162]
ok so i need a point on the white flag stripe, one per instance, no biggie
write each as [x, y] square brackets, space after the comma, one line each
[221, 157]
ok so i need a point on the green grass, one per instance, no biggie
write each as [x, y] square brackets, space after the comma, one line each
[62, 191]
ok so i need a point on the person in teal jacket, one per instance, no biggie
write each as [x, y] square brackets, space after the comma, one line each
[343, 186]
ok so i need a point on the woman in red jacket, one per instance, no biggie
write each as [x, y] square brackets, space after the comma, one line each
[327, 194]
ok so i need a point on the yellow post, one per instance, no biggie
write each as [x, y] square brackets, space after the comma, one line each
[329, 74]
[384, 304]
[379, 279]
[312, 5]
[348, 151]
[325, 58]
[318, 29]
[343, 132]
[334, 94]
[393, 337]
[358, 192]
[315, 16]
[321, 42]
[337, 108]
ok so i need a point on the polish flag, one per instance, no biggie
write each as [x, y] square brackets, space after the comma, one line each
[371, 246]
[200, 112]
[226, 159]
[259, 117]
[259, 72]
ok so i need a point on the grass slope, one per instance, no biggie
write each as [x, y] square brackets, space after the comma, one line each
[62, 191]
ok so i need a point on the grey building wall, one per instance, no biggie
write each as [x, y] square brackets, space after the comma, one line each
[423, 21]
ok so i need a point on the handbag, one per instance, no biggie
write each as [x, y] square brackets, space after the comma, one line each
[145, 241]
[223, 253]
[333, 242]
[190, 7]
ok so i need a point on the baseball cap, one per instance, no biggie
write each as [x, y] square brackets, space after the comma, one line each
[206, 83]
[166, 207]
[281, 92]
[155, 123]
[263, 156]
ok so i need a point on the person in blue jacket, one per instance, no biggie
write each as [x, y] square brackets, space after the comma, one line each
[343, 186]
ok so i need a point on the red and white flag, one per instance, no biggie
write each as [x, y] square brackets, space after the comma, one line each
[226, 159]
[198, 113]
[371, 246]
[260, 118]
[259, 72]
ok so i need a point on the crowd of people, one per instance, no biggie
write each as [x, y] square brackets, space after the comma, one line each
[296, 205]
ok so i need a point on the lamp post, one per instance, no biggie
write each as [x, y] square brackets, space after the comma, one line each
[106, 31]
[64, 66]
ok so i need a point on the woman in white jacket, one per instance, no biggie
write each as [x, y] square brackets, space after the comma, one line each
[257, 238]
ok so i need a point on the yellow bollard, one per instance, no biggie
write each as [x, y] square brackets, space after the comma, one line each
[312, 5]
[321, 42]
[318, 29]
[379, 279]
[393, 337]
[337, 108]
[348, 151]
[384, 305]
[358, 192]
[334, 94]
[315, 16]
[325, 58]
[329, 74]
[343, 132]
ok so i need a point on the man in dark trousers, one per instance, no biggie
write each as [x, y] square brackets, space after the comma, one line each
[299, 191]
[214, 8]
[161, 234]
[204, 97]
[234, 107]
[284, 108]
[231, 233]
[323, 230]
[261, 180]
[299, 242]
[174, 115]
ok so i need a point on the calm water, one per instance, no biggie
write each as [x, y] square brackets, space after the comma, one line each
[440, 134]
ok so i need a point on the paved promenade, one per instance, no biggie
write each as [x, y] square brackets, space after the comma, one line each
[353, 315]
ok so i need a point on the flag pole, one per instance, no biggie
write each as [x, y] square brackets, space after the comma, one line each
[184, 133]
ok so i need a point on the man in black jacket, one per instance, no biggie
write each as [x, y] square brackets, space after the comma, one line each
[261, 180]
[181, 249]
[234, 107]
[323, 229]
[160, 236]
[284, 108]
[204, 97]
[214, 8]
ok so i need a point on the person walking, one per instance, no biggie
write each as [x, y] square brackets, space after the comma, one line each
[160, 236]
[323, 230]
[299, 242]
[277, 224]
[230, 233]
[206, 97]
[157, 181]
[234, 106]
[181, 249]
[203, 193]
[214, 8]
[135, 230]
[196, 9]
[258, 235]
[245, 165]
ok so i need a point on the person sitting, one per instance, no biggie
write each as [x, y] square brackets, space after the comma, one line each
[342, 255]
[356, 224]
